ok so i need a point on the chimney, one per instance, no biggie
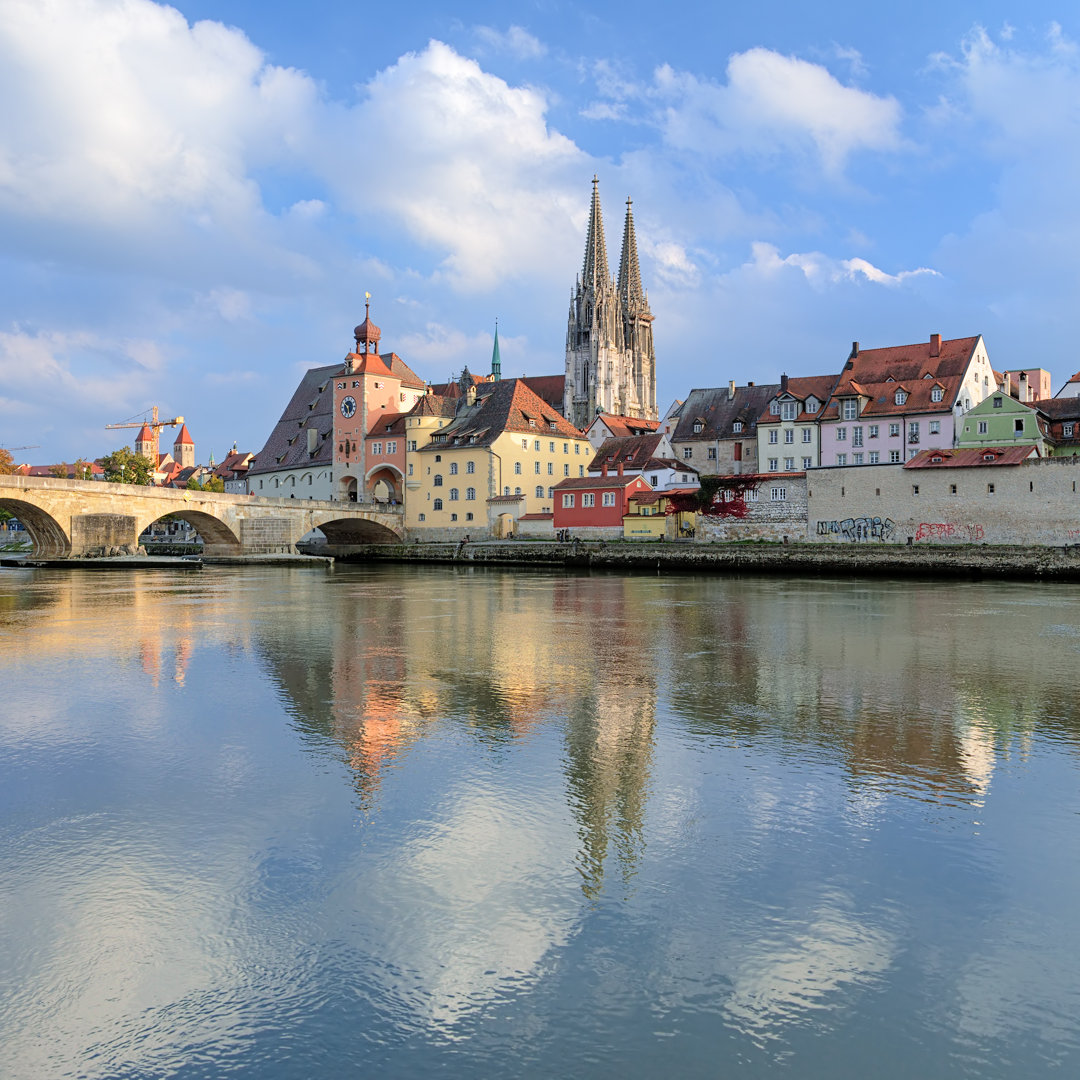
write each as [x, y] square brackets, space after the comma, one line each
[1025, 389]
[620, 468]
[731, 390]
[783, 383]
[935, 344]
[854, 350]
[603, 469]
[749, 384]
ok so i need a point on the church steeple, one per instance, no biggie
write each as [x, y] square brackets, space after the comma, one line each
[630, 291]
[595, 273]
[496, 363]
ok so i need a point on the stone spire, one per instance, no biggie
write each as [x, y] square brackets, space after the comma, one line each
[630, 291]
[496, 363]
[595, 273]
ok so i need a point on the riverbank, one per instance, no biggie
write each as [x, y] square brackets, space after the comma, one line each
[968, 561]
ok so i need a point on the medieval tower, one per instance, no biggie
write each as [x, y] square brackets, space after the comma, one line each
[610, 362]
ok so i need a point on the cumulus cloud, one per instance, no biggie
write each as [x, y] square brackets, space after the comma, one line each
[821, 270]
[773, 103]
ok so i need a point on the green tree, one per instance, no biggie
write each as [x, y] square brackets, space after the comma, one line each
[124, 466]
[60, 471]
[7, 462]
[83, 471]
[215, 483]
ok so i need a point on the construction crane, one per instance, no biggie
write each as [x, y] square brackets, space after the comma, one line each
[36, 446]
[154, 424]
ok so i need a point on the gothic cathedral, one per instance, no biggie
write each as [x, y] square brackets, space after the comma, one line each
[610, 362]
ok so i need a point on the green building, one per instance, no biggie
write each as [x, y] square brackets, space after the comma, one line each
[1002, 420]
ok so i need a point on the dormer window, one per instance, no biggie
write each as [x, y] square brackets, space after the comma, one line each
[737, 426]
[698, 425]
[988, 457]
[811, 405]
[788, 410]
[774, 408]
[532, 422]
[937, 394]
[851, 408]
[937, 459]
[1067, 430]
[900, 397]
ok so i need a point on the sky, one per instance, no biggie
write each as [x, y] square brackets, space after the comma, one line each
[195, 198]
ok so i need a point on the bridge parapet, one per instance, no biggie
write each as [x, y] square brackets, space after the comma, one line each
[74, 517]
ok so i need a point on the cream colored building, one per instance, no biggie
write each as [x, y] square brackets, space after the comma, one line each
[498, 458]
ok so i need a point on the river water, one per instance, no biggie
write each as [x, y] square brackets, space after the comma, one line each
[417, 822]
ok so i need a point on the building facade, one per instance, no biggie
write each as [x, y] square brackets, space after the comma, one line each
[610, 358]
[788, 429]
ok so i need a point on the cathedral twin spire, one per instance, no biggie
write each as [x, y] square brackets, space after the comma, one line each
[610, 366]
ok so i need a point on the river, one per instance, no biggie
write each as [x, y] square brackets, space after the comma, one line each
[427, 821]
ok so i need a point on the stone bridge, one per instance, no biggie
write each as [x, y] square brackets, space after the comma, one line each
[75, 517]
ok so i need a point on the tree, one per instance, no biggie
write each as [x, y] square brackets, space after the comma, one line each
[83, 471]
[59, 471]
[215, 483]
[7, 462]
[124, 466]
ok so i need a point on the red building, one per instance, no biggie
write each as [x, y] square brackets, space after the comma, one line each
[592, 507]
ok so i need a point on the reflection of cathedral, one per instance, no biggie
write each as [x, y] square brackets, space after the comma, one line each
[610, 361]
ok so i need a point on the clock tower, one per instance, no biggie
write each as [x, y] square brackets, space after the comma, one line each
[363, 390]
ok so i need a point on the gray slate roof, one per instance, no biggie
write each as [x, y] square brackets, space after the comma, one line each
[311, 406]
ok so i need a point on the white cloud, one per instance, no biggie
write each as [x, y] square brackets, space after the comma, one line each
[821, 270]
[772, 104]
[516, 42]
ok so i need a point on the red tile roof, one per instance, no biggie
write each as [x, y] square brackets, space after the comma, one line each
[597, 483]
[631, 451]
[622, 427]
[970, 456]
[184, 437]
[802, 387]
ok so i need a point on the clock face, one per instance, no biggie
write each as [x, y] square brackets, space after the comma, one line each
[348, 406]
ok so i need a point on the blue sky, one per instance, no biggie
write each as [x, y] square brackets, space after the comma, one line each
[194, 199]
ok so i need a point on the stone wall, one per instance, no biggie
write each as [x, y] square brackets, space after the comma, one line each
[263, 535]
[1037, 502]
[766, 518]
[92, 533]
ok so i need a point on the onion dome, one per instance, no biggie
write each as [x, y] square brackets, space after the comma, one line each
[367, 334]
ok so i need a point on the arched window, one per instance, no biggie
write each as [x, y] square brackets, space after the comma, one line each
[453, 468]
[517, 468]
[438, 504]
[438, 480]
[470, 494]
[453, 494]
[539, 491]
[517, 491]
[470, 466]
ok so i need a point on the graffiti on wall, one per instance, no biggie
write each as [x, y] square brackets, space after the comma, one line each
[858, 529]
[1072, 534]
[948, 530]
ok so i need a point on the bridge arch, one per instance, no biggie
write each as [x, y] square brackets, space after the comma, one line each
[49, 537]
[352, 530]
[218, 538]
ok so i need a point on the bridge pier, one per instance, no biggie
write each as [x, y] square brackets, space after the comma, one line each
[89, 532]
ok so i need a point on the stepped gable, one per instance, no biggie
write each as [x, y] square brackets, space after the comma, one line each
[633, 452]
[717, 409]
[312, 405]
[509, 405]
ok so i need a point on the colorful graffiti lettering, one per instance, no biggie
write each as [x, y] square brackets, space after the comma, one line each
[948, 530]
[1072, 534]
[858, 529]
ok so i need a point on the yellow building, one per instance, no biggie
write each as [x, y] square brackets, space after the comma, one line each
[648, 517]
[499, 458]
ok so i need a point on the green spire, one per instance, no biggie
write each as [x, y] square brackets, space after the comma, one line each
[496, 363]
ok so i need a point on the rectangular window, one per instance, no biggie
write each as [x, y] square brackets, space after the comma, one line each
[807, 463]
[391, 447]
[914, 489]
[789, 435]
[841, 459]
[551, 468]
[806, 436]
[376, 447]
[524, 444]
[773, 436]
[1067, 430]
[577, 448]
[774, 464]
[894, 457]
[737, 426]
[778, 494]
[789, 464]
[894, 431]
[536, 445]
[687, 453]
[567, 500]
[551, 493]
[984, 426]
[997, 403]
[873, 432]
[551, 448]
[712, 453]
[989, 489]
[566, 470]
[609, 498]
[935, 427]
[788, 410]
[581, 470]
[588, 499]
[536, 467]
[856, 436]
[841, 434]
[856, 459]
[411, 444]
[566, 448]
[874, 457]
[851, 409]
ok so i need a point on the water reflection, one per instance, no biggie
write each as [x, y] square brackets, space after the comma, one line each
[668, 822]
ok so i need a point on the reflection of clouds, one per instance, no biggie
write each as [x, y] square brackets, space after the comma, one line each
[471, 905]
[780, 980]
